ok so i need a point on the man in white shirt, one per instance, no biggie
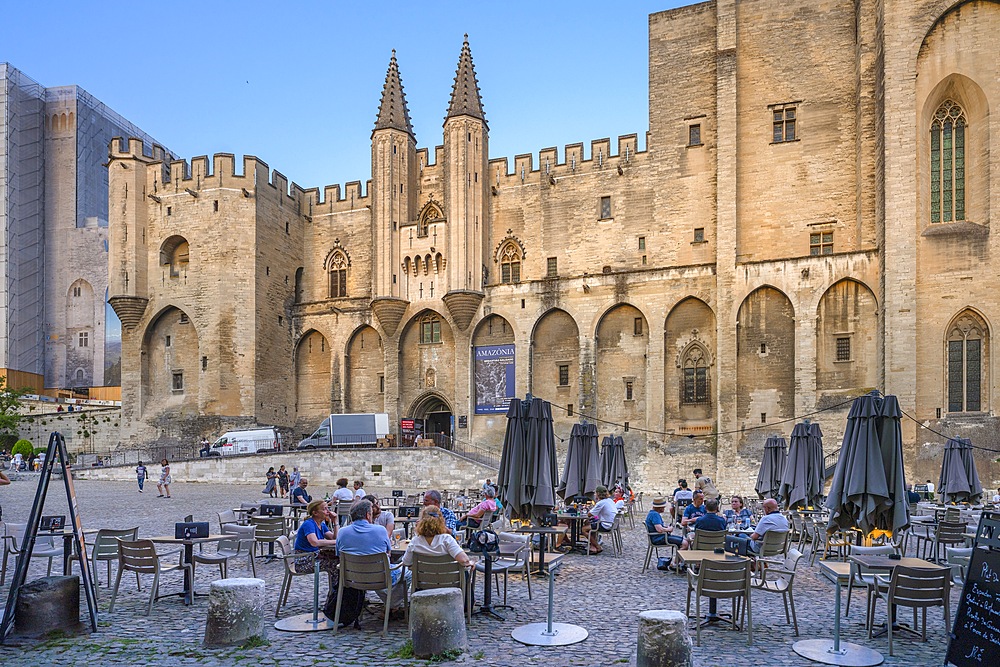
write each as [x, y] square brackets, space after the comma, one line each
[772, 520]
[930, 490]
[602, 516]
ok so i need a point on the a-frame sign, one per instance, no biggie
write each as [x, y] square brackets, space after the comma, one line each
[57, 447]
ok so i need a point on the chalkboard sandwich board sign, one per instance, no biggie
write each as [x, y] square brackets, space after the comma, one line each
[975, 637]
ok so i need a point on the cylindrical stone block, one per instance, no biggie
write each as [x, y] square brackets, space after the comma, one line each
[437, 622]
[48, 604]
[235, 612]
[663, 639]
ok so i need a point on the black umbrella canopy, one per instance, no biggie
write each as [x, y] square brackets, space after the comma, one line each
[512, 460]
[859, 492]
[817, 470]
[794, 488]
[959, 481]
[771, 467]
[614, 467]
[582, 472]
[897, 514]
[541, 474]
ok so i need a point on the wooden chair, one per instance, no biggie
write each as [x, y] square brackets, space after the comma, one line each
[365, 573]
[429, 572]
[917, 588]
[780, 580]
[140, 557]
[722, 580]
[45, 547]
[105, 548]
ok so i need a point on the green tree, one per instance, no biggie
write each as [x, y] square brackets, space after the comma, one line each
[10, 407]
[24, 447]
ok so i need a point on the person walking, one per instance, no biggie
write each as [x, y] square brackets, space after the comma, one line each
[141, 475]
[295, 478]
[271, 485]
[165, 479]
[283, 481]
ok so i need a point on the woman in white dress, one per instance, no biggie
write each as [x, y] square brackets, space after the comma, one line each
[165, 479]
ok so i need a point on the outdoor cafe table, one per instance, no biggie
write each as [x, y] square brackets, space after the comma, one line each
[833, 651]
[693, 558]
[543, 532]
[575, 522]
[188, 559]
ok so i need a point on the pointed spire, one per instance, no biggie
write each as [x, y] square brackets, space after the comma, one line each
[465, 99]
[392, 112]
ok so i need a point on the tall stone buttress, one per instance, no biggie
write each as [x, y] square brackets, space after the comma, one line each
[393, 196]
[466, 153]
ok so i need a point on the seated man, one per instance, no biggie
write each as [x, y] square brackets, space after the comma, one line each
[602, 515]
[433, 497]
[364, 538]
[772, 520]
[711, 519]
[474, 518]
[299, 494]
[682, 497]
[654, 524]
[694, 511]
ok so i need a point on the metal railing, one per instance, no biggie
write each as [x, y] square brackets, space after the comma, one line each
[466, 449]
[830, 463]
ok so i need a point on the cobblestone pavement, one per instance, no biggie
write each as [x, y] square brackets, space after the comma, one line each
[601, 593]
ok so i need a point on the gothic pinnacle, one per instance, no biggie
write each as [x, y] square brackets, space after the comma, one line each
[393, 112]
[465, 97]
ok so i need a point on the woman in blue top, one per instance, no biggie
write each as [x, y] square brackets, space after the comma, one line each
[314, 534]
[738, 513]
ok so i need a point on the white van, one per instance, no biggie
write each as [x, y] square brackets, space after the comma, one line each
[249, 441]
[348, 430]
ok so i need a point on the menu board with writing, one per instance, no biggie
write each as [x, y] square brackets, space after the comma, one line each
[975, 638]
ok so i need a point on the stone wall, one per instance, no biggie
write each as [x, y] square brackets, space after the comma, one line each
[380, 469]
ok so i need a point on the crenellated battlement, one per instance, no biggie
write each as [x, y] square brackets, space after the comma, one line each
[574, 161]
[175, 176]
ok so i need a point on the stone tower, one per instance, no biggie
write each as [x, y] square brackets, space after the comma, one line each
[466, 153]
[393, 195]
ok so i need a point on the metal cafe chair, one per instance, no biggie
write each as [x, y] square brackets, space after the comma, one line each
[366, 573]
[780, 580]
[45, 547]
[105, 548]
[917, 588]
[722, 580]
[863, 577]
[708, 540]
[284, 546]
[140, 557]
[429, 572]
[652, 548]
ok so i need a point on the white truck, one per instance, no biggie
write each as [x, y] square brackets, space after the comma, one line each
[247, 441]
[348, 430]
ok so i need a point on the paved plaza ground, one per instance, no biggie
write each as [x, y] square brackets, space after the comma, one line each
[602, 593]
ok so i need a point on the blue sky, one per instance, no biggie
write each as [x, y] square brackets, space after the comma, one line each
[298, 84]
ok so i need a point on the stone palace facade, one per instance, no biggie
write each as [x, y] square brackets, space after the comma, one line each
[807, 218]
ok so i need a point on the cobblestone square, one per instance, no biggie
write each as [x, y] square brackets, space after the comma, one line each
[602, 593]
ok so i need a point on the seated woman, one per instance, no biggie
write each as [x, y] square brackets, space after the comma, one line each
[432, 539]
[474, 518]
[314, 534]
[738, 513]
[381, 517]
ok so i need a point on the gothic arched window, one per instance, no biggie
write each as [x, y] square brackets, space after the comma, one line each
[510, 263]
[968, 348]
[948, 131]
[337, 270]
[694, 376]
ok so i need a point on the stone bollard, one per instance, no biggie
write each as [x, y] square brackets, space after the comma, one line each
[437, 622]
[235, 612]
[663, 639]
[48, 604]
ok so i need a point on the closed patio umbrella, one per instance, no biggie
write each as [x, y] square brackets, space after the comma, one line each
[959, 481]
[614, 468]
[582, 473]
[817, 465]
[859, 491]
[897, 516]
[541, 473]
[794, 488]
[512, 459]
[771, 467]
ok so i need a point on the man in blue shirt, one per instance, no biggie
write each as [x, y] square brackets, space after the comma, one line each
[299, 494]
[364, 538]
[711, 519]
[695, 510]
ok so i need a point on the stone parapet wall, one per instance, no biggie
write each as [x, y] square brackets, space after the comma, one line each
[409, 469]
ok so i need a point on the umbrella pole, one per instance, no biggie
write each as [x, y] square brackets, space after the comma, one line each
[837, 653]
[549, 633]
